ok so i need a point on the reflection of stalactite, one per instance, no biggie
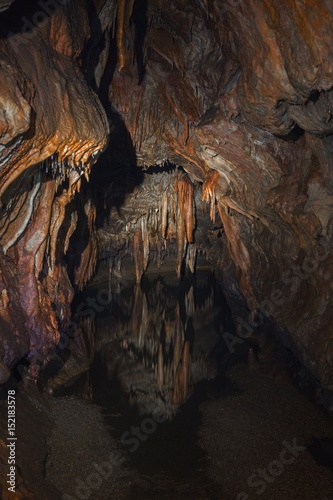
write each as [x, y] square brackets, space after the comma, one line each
[144, 321]
[189, 303]
[182, 379]
[160, 368]
[191, 255]
[178, 341]
[135, 322]
[138, 254]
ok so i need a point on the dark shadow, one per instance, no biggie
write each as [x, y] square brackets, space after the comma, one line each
[24, 16]
[294, 135]
[139, 19]
[167, 168]
[116, 173]
[94, 47]
[168, 457]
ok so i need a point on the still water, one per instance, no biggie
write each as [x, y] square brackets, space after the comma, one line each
[158, 354]
[193, 420]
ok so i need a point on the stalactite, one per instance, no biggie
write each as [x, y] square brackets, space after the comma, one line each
[71, 229]
[164, 215]
[185, 192]
[145, 241]
[121, 33]
[87, 263]
[240, 256]
[208, 192]
[181, 242]
[185, 218]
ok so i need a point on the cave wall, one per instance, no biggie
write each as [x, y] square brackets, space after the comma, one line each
[53, 127]
[238, 92]
[243, 88]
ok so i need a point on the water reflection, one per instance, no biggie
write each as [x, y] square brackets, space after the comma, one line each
[159, 339]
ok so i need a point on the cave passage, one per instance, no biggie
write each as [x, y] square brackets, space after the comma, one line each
[178, 403]
[158, 351]
[155, 342]
[166, 235]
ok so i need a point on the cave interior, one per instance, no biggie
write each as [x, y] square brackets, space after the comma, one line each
[186, 138]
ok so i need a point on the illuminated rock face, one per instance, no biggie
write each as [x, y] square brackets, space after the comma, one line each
[47, 142]
[236, 91]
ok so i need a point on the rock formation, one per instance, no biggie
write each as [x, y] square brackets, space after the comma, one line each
[236, 92]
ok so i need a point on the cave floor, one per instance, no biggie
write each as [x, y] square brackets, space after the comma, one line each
[237, 429]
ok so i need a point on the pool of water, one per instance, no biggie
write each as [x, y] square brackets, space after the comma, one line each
[158, 354]
[191, 419]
